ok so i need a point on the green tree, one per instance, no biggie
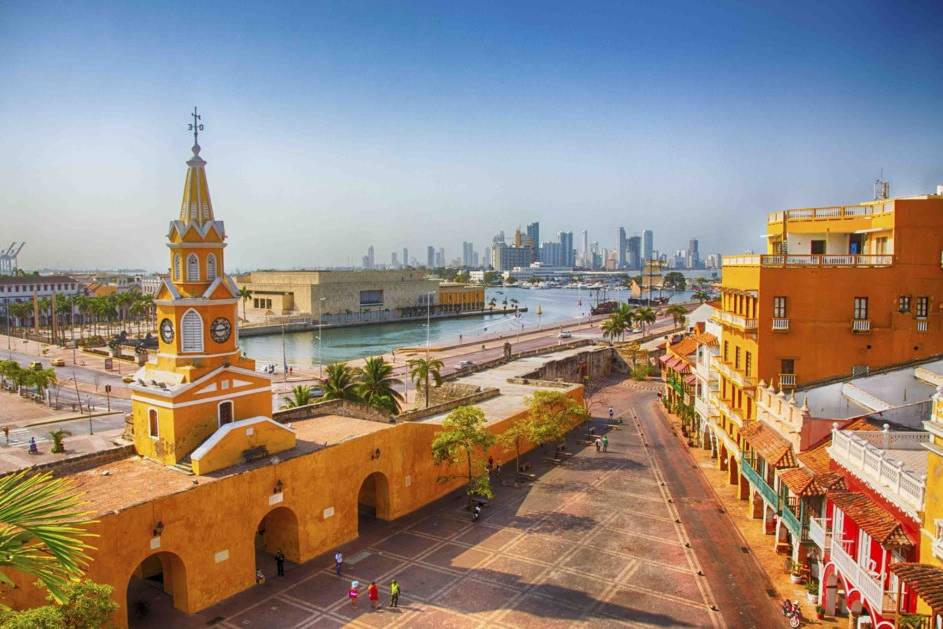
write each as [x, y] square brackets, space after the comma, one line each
[678, 314]
[552, 414]
[701, 295]
[58, 440]
[674, 280]
[42, 529]
[245, 295]
[340, 384]
[645, 316]
[421, 370]
[42, 379]
[376, 385]
[612, 327]
[464, 439]
[301, 395]
[85, 605]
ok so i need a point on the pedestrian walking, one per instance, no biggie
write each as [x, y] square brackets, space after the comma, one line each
[598, 444]
[394, 593]
[611, 412]
[338, 560]
[490, 464]
[280, 563]
[354, 592]
[374, 595]
[605, 444]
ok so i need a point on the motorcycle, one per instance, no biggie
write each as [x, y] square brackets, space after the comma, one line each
[792, 612]
[476, 513]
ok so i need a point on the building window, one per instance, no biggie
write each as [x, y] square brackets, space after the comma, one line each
[371, 298]
[779, 307]
[152, 425]
[210, 267]
[861, 308]
[192, 332]
[726, 350]
[736, 358]
[923, 307]
[903, 303]
[787, 366]
[193, 268]
[177, 276]
[225, 412]
[748, 364]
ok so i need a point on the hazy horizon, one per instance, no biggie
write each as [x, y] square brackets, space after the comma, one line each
[330, 128]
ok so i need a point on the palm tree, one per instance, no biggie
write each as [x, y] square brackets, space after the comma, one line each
[422, 369]
[678, 314]
[300, 396]
[493, 302]
[41, 379]
[340, 383]
[645, 316]
[42, 529]
[245, 295]
[375, 385]
[612, 327]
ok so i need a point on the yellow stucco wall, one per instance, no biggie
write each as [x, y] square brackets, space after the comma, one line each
[230, 448]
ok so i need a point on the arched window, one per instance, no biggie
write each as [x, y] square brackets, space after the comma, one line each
[225, 412]
[193, 268]
[153, 427]
[210, 267]
[192, 331]
[177, 275]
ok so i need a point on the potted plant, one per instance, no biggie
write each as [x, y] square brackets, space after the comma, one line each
[819, 612]
[795, 572]
[812, 590]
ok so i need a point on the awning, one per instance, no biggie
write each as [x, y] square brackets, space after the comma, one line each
[876, 521]
[925, 580]
[775, 450]
[691, 380]
[664, 359]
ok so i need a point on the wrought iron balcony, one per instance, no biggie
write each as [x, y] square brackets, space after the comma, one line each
[780, 325]
[861, 325]
[759, 483]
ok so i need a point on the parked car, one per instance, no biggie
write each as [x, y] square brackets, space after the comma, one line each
[565, 334]
[58, 362]
[35, 365]
[463, 364]
[128, 379]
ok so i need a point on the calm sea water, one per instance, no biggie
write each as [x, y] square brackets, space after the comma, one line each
[557, 306]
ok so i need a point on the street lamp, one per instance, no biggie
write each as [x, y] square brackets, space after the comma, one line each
[320, 362]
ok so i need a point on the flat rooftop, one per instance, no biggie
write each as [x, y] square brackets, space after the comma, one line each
[909, 386]
[511, 400]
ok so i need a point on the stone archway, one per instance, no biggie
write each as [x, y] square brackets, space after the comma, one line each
[277, 531]
[722, 457]
[158, 582]
[373, 499]
[733, 471]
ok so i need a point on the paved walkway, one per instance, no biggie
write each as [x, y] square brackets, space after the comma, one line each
[598, 541]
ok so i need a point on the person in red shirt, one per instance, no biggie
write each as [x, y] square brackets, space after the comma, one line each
[374, 595]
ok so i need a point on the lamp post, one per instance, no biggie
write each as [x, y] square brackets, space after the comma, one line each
[320, 362]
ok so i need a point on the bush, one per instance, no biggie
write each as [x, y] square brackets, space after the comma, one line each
[641, 372]
[87, 605]
[812, 587]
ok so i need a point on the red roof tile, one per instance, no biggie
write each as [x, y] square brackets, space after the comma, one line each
[925, 580]
[768, 444]
[872, 517]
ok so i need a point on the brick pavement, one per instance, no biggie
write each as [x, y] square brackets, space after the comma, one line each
[595, 541]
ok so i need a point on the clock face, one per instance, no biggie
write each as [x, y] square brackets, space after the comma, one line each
[167, 331]
[220, 329]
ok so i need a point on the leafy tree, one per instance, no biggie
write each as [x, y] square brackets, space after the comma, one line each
[376, 385]
[552, 414]
[41, 379]
[674, 280]
[701, 295]
[464, 439]
[85, 605]
[678, 314]
[58, 440]
[300, 396]
[641, 372]
[340, 384]
[424, 369]
[42, 529]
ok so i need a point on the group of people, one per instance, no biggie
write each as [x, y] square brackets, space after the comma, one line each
[373, 594]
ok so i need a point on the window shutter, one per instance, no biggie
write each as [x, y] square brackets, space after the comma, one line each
[210, 267]
[193, 268]
[192, 332]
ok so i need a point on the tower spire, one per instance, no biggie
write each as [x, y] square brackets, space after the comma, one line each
[196, 206]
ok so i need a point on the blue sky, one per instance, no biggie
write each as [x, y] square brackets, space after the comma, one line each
[334, 126]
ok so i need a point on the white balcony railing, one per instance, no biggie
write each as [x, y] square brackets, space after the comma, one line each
[780, 325]
[883, 473]
[938, 548]
[861, 325]
[819, 532]
[727, 410]
[734, 320]
[787, 380]
[806, 261]
[870, 585]
[922, 325]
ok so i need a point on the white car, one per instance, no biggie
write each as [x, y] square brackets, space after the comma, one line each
[565, 334]
[462, 364]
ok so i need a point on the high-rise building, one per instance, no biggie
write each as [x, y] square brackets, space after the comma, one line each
[440, 257]
[430, 256]
[394, 261]
[369, 261]
[468, 254]
[694, 257]
[566, 249]
[405, 256]
[551, 254]
[621, 249]
[648, 244]
[584, 254]
[505, 258]
[533, 232]
[486, 256]
[633, 253]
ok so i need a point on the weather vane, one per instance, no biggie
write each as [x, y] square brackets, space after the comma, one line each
[196, 126]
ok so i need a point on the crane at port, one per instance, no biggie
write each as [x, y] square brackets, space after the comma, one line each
[8, 257]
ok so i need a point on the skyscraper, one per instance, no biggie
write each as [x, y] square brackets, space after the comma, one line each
[694, 256]
[621, 250]
[468, 254]
[586, 261]
[566, 248]
[648, 244]
[430, 256]
[394, 262]
[633, 252]
[533, 232]
[405, 256]
[440, 257]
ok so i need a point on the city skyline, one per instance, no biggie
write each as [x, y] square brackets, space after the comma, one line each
[397, 128]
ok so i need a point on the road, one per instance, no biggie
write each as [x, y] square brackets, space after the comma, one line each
[741, 586]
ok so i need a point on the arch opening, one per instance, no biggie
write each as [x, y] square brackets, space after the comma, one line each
[277, 532]
[157, 585]
[373, 501]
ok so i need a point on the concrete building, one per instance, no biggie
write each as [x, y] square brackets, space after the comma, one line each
[281, 293]
[633, 252]
[621, 249]
[505, 258]
[648, 244]
[405, 257]
[533, 233]
[430, 257]
[16, 289]
[693, 255]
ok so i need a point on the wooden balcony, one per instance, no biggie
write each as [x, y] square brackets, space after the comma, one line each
[787, 381]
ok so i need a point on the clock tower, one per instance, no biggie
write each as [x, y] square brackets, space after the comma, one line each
[198, 383]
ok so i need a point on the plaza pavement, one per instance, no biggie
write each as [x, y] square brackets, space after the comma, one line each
[598, 541]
